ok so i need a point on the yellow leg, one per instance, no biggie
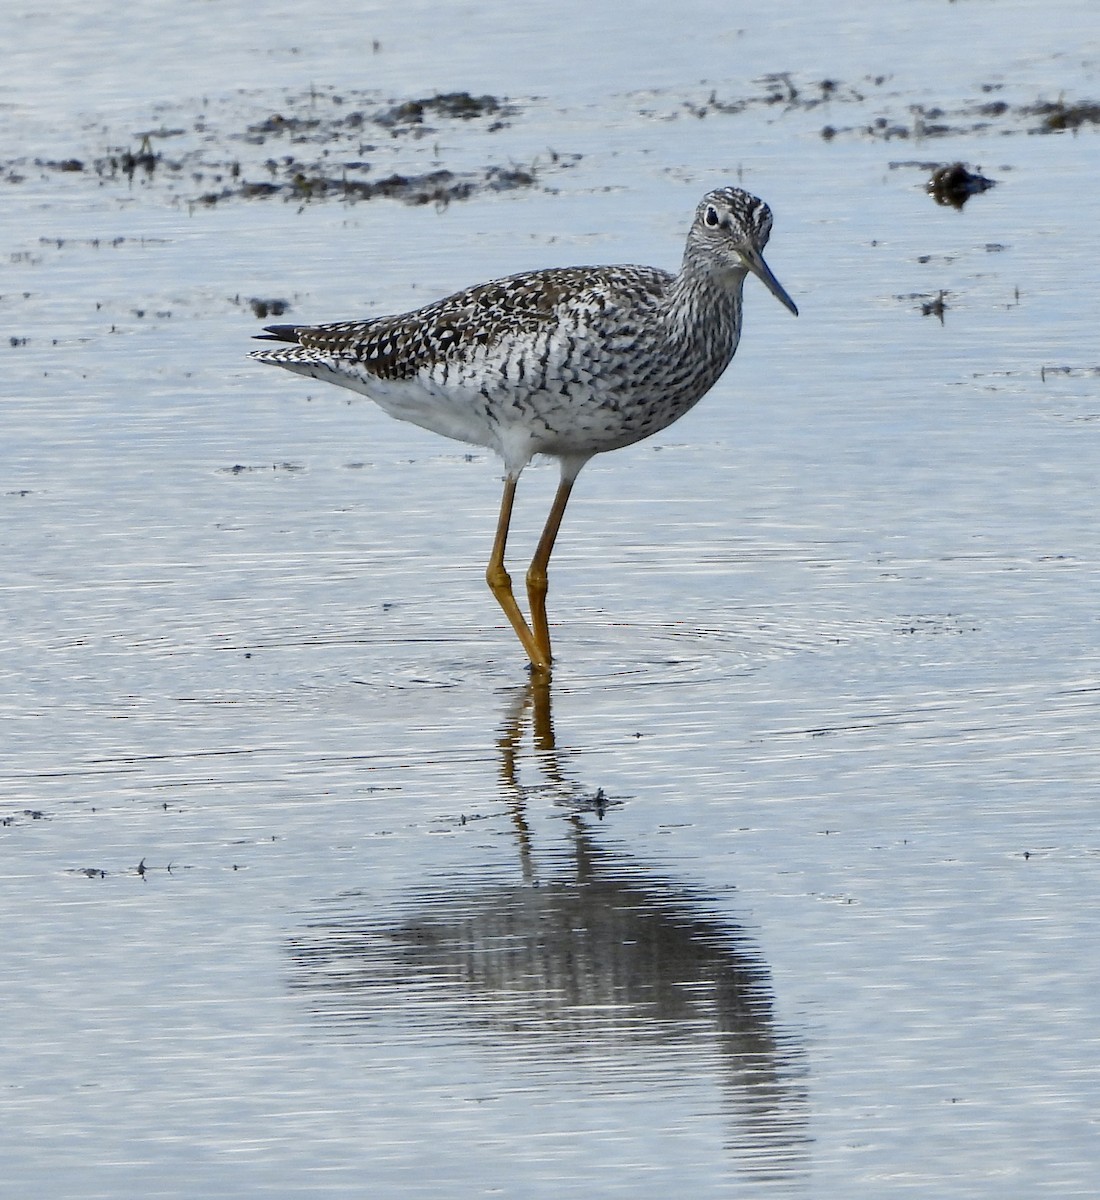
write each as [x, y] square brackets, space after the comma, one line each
[500, 583]
[537, 580]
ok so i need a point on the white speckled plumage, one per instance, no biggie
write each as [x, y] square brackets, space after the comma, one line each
[568, 361]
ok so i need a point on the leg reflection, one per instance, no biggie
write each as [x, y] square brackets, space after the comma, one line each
[534, 703]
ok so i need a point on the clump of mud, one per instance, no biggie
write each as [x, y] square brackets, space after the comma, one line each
[953, 184]
[268, 307]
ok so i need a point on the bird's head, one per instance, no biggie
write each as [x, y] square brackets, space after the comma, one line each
[730, 230]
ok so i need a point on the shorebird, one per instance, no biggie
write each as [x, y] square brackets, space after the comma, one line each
[567, 362]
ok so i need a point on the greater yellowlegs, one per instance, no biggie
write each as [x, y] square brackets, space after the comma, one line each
[567, 362]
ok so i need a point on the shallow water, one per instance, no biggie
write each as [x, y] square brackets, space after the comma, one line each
[786, 887]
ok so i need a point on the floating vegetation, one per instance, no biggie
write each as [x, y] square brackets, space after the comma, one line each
[452, 105]
[779, 90]
[129, 162]
[988, 116]
[433, 187]
[1059, 115]
[788, 95]
[316, 146]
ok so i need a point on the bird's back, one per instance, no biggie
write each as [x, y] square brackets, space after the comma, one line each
[568, 360]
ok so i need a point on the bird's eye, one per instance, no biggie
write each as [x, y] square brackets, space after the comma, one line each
[711, 217]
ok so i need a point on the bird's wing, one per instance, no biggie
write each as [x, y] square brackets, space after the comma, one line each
[485, 316]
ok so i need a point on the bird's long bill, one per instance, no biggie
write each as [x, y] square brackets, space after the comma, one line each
[754, 260]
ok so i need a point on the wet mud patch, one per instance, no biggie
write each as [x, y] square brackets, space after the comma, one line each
[301, 147]
[892, 114]
[328, 144]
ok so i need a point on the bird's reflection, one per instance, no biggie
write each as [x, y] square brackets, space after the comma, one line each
[585, 956]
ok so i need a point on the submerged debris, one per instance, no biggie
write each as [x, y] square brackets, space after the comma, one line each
[935, 307]
[1078, 372]
[929, 305]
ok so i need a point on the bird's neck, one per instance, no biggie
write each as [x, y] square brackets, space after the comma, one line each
[704, 303]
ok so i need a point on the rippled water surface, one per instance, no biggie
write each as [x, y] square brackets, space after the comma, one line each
[786, 886]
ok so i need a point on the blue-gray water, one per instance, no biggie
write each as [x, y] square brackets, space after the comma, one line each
[304, 890]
